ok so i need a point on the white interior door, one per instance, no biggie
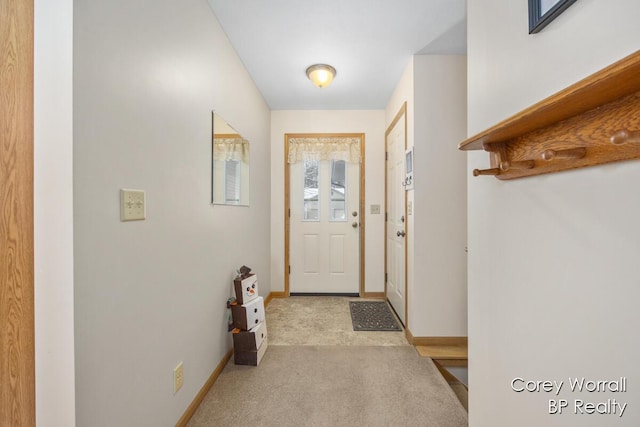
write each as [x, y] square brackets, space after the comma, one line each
[324, 240]
[395, 209]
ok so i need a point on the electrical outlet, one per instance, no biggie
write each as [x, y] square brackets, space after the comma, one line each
[132, 205]
[178, 377]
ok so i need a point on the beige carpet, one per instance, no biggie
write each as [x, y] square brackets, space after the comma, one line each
[332, 386]
[321, 321]
[330, 376]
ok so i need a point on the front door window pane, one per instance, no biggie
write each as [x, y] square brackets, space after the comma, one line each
[338, 206]
[311, 208]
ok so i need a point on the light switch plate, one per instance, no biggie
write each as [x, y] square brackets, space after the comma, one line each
[132, 205]
[178, 377]
[375, 209]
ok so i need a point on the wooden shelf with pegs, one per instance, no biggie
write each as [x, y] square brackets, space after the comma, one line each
[594, 121]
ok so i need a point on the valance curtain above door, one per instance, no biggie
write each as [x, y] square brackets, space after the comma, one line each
[231, 149]
[327, 148]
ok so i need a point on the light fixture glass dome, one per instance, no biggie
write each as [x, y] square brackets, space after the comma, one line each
[321, 74]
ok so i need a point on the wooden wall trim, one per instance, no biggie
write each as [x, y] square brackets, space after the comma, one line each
[374, 295]
[408, 335]
[446, 341]
[287, 220]
[363, 214]
[17, 342]
[406, 224]
[272, 295]
[463, 363]
[204, 390]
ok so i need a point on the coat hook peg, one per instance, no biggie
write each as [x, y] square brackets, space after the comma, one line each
[522, 164]
[623, 136]
[493, 171]
[569, 154]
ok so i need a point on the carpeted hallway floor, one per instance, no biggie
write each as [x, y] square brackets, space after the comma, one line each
[317, 372]
[321, 321]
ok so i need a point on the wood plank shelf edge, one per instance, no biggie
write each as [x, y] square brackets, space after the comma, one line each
[594, 121]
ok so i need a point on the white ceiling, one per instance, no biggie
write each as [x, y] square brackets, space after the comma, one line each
[369, 42]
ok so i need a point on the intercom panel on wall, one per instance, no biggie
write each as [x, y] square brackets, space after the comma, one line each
[408, 169]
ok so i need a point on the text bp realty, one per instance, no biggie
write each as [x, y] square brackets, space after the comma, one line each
[579, 406]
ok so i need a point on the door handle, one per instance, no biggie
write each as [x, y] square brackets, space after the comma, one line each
[400, 233]
[354, 224]
[354, 213]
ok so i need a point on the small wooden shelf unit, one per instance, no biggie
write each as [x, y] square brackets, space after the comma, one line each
[594, 121]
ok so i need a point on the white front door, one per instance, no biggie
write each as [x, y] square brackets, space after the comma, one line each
[324, 252]
[396, 221]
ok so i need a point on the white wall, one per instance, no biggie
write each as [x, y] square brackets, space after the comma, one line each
[553, 259]
[369, 122]
[149, 294]
[53, 209]
[438, 305]
[434, 88]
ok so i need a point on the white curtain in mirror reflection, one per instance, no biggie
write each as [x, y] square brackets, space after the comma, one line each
[231, 149]
[230, 164]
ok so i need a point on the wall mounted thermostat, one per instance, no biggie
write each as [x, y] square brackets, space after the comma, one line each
[408, 169]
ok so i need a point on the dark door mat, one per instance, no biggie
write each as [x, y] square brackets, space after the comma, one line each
[372, 316]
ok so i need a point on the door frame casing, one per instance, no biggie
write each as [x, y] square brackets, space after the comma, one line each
[17, 322]
[287, 201]
[402, 112]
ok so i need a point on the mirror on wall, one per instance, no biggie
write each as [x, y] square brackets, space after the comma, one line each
[230, 165]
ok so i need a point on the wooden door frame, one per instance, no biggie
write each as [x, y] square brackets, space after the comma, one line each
[17, 329]
[287, 200]
[401, 112]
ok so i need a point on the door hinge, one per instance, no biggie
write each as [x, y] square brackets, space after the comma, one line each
[386, 217]
[386, 277]
[289, 269]
[386, 155]
[289, 212]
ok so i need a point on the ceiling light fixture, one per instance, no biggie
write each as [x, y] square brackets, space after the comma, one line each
[321, 74]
